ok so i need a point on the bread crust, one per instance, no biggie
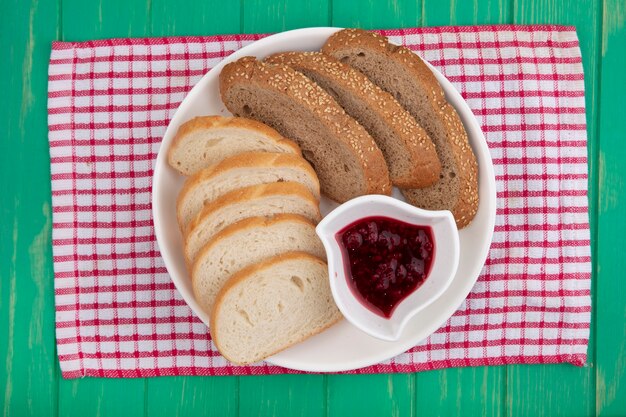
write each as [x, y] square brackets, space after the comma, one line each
[467, 168]
[249, 193]
[245, 274]
[245, 160]
[285, 81]
[212, 122]
[420, 150]
[249, 223]
[245, 225]
[467, 202]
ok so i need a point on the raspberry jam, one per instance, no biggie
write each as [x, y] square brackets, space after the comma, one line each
[385, 260]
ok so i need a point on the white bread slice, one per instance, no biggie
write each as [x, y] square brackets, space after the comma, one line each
[347, 160]
[272, 305]
[243, 170]
[248, 242]
[256, 200]
[206, 140]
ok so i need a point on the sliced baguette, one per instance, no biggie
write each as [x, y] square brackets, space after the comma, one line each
[404, 75]
[256, 200]
[409, 152]
[204, 141]
[347, 160]
[248, 242]
[243, 170]
[270, 306]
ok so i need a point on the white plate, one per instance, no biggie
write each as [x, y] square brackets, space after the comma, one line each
[342, 347]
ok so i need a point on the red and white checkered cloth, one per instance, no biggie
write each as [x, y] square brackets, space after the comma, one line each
[117, 311]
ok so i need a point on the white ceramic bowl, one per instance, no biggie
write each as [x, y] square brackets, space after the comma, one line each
[334, 349]
[442, 270]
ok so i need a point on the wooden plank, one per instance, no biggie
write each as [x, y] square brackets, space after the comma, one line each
[28, 382]
[371, 395]
[563, 389]
[461, 392]
[86, 20]
[461, 12]
[195, 18]
[551, 390]
[465, 390]
[192, 396]
[265, 16]
[301, 395]
[384, 14]
[101, 397]
[83, 21]
[282, 395]
[610, 297]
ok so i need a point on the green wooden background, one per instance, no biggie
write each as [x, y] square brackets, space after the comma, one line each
[30, 381]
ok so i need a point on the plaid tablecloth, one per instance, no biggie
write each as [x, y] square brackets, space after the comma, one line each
[117, 311]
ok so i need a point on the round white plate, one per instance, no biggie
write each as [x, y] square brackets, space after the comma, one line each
[342, 347]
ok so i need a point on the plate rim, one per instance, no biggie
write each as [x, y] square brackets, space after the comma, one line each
[400, 346]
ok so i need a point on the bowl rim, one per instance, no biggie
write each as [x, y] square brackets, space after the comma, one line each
[445, 232]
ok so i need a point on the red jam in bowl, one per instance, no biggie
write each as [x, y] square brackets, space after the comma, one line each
[385, 260]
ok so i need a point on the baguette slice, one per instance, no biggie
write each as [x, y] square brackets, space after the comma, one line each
[243, 170]
[345, 157]
[405, 76]
[256, 200]
[207, 140]
[248, 242]
[409, 152]
[272, 305]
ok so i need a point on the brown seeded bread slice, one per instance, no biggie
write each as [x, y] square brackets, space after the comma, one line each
[242, 170]
[204, 141]
[409, 152]
[347, 160]
[404, 75]
[272, 305]
[248, 242]
[256, 200]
